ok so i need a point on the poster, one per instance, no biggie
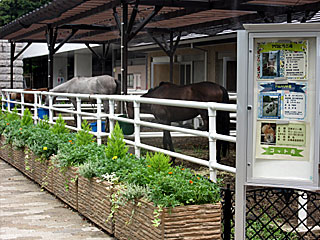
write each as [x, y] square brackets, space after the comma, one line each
[283, 59]
[282, 141]
[282, 101]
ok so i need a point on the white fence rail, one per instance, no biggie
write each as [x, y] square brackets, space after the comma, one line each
[82, 112]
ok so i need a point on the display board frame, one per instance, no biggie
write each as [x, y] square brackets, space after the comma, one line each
[298, 130]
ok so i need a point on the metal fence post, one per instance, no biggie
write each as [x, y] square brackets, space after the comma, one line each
[8, 102]
[22, 104]
[50, 109]
[35, 108]
[111, 114]
[78, 113]
[227, 214]
[212, 143]
[137, 141]
[99, 121]
[2, 101]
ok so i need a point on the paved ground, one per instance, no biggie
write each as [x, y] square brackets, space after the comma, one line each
[28, 213]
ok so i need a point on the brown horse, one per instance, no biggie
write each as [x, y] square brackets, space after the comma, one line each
[29, 97]
[201, 92]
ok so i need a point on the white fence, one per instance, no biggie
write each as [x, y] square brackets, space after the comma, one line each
[82, 112]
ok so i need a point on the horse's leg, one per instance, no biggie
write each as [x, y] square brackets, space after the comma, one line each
[74, 103]
[167, 141]
[106, 110]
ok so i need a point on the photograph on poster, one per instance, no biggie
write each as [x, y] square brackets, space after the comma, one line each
[270, 106]
[268, 133]
[270, 64]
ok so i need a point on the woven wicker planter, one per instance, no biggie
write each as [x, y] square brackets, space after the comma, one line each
[134, 221]
[94, 202]
[43, 172]
[21, 163]
[65, 185]
[6, 151]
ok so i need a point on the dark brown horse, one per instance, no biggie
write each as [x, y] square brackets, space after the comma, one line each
[201, 92]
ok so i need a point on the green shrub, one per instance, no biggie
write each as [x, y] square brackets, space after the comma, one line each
[83, 137]
[26, 118]
[59, 127]
[116, 146]
[44, 123]
[158, 162]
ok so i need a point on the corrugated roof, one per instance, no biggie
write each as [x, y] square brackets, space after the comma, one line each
[187, 16]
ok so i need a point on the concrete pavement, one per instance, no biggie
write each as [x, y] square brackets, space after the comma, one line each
[27, 212]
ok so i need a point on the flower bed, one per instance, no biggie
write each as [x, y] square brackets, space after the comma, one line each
[172, 202]
[65, 185]
[136, 221]
[94, 201]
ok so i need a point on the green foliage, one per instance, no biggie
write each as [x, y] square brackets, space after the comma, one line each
[46, 143]
[12, 9]
[44, 123]
[116, 145]
[12, 116]
[158, 162]
[83, 137]
[59, 127]
[26, 118]
[75, 155]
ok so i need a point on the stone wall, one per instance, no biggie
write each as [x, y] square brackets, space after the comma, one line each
[5, 66]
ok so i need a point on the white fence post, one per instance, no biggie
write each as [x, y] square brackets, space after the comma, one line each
[78, 113]
[35, 108]
[50, 109]
[99, 121]
[22, 104]
[212, 143]
[111, 114]
[8, 102]
[2, 101]
[137, 141]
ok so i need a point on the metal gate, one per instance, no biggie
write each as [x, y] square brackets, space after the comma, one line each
[275, 214]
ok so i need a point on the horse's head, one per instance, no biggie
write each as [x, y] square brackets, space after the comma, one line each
[130, 110]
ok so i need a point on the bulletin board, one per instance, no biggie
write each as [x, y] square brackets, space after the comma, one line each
[283, 81]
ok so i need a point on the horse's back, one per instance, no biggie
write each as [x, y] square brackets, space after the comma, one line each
[103, 84]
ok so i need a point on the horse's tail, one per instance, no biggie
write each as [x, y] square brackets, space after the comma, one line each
[224, 122]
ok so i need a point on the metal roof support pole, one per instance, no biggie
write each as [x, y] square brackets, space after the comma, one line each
[51, 39]
[12, 50]
[169, 50]
[124, 47]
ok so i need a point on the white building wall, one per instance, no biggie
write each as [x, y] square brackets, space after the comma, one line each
[60, 70]
[82, 64]
[5, 66]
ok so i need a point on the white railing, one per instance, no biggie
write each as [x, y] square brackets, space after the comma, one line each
[80, 114]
